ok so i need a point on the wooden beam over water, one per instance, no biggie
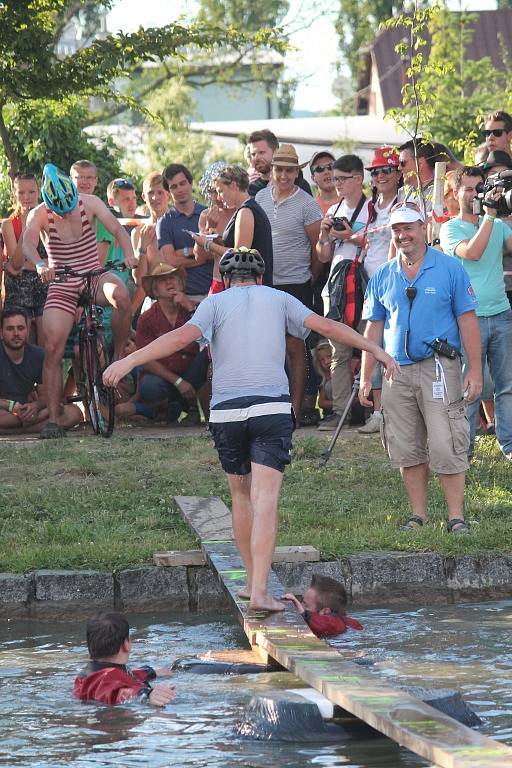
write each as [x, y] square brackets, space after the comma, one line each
[286, 638]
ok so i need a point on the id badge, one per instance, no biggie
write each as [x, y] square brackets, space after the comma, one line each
[437, 390]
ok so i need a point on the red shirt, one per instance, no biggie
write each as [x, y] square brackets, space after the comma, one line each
[153, 324]
[112, 683]
[329, 624]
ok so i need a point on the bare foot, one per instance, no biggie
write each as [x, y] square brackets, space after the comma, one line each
[245, 592]
[266, 603]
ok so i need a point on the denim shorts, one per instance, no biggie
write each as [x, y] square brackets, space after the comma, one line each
[263, 439]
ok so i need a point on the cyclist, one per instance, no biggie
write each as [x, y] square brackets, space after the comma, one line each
[66, 222]
[251, 414]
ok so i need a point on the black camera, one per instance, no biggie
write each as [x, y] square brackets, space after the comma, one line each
[340, 223]
[501, 181]
[444, 349]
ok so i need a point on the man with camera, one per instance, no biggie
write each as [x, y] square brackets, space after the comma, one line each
[418, 307]
[338, 242]
[479, 242]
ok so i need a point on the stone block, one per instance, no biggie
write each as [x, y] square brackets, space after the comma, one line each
[205, 591]
[486, 574]
[59, 592]
[396, 577]
[15, 590]
[153, 587]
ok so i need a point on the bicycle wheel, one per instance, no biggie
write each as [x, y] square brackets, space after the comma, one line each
[99, 399]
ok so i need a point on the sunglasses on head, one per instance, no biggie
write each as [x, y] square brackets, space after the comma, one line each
[387, 170]
[123, 184]
[321, 168]
[493, 132]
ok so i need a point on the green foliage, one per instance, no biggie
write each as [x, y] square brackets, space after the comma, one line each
[446, 97]
[244, 14]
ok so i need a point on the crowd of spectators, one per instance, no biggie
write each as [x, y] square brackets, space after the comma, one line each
[320, 246]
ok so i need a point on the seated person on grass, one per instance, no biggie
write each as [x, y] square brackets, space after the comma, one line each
[170, 384]
[324, 607]
[106, 678]
[22, 397]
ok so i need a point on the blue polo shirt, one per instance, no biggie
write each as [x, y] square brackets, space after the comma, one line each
[443, 294]
[170, 231]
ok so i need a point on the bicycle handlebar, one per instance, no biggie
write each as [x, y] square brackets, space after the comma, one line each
[70, 272]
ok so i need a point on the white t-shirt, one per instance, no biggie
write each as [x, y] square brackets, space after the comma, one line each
[378, 236]
[346, 249]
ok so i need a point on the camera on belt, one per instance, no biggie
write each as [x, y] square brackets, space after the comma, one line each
[441, 347]
[501, 181]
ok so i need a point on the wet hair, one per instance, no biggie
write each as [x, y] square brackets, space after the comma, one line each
[16, 211]
[330, 594]
[349, 163]
[172, 170]
[264, 135]
[11, 312]
[466, 170]
[502, 117]
[105, 634]
[237, 174]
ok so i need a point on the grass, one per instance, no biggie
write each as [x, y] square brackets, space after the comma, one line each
[108, 504]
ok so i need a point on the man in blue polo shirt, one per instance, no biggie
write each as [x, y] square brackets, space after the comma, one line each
[176, 246]
[480, 242]
[418, 297]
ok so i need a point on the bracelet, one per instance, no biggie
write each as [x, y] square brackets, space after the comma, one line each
[11, 405]
[178, 381]
[489, 217]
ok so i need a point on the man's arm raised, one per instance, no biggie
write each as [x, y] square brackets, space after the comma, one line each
[164, 346]
[345, 335]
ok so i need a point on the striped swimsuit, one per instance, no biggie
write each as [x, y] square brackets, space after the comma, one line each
[81, 256]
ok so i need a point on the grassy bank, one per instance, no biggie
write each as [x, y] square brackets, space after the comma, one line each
[97, 503]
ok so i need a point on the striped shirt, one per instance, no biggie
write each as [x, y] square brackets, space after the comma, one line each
[290, 242]
[81, 255]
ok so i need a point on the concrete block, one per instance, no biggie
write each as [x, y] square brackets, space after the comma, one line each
[152, 587]
[396, 577]
[486, 574]
[15, 591]
[59, 592]
[205, 591]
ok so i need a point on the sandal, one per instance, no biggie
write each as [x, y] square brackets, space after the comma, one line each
[52, 431]
[457, 525]
[413, 523]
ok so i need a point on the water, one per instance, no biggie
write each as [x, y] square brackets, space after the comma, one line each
[42, 725]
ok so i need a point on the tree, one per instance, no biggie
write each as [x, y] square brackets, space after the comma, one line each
[244, 14]
[31, 69]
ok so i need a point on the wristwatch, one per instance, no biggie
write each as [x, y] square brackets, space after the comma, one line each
[186, 251]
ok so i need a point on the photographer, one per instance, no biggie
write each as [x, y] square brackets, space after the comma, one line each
[339, 242]
[411, 302]
[479, 242]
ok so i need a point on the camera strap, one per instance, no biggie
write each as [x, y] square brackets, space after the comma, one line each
[356, 211]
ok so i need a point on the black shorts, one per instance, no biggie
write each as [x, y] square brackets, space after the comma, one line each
[263, 439]
[302, 291]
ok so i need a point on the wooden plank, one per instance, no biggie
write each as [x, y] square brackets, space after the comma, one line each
[210, 519]
[286, 638]
[172, 557]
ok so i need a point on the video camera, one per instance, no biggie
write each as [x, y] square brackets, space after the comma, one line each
[501, 181]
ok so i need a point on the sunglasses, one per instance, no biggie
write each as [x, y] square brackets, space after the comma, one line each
[123, 184]
[322, 168]
[405, 204]
[343, 179]
[386, 170]
[494, 132]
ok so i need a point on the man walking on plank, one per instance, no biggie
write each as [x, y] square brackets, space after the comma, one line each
[251, 416]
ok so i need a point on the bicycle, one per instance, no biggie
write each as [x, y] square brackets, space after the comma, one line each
[93, 355]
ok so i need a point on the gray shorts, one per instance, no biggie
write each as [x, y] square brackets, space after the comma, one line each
[418, 429]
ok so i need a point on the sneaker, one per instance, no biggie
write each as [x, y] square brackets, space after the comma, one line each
[330, 422]
[372, 425]
[310, 417]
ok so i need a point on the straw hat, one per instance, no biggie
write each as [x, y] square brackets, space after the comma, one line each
[286, 155]
[160, 270]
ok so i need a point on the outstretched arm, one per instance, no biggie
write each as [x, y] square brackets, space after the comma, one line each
[164, 346]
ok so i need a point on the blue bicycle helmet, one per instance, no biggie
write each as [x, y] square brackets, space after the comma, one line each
[58, 191]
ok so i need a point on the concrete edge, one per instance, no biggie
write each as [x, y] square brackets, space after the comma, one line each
[370, 578]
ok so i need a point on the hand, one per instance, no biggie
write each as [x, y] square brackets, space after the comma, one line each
[186, 389]
[147, 235]
[212, 217]
[47, 274]
[27, 412]
[131, 261]
[117, 371]
[289, 596]
[365, 387]
[492, 197]
[164, 672]
[390, 364]
[254, 175]
[472, 386]
[344, 234]
[326, 227]
[162, 694]
[182, 300]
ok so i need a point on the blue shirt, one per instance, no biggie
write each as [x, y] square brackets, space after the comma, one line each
[443, 294]
[246, 327]
[486, 274]
[170, 231]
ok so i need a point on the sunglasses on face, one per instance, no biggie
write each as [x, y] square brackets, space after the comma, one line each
[493, 132]
[123, 184]
[343, 179]
[386, 170]
[322, 168]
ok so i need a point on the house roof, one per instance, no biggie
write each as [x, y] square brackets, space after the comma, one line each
[489, 27]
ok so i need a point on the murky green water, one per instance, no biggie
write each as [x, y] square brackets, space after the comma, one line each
[42, 725]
